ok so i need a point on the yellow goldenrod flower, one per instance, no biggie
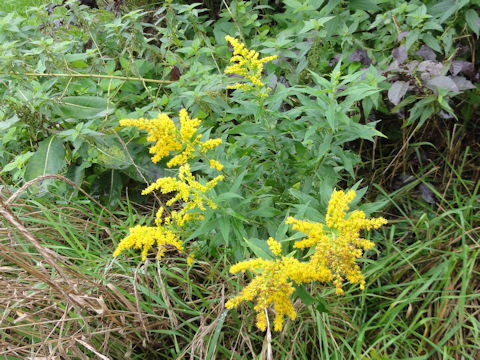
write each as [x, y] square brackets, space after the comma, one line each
[214, 164]
[168, 138]
[336, 247]
[190, 259]
[144, 237]
[161, 130]
[187, 126]
[274, 246]
[247, 65]
[187, 189]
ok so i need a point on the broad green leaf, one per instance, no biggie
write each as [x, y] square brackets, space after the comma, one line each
[304, 295]
[85, 107]
[48, 159]
[431, 41]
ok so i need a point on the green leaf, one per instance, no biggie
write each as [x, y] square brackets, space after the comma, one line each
[85, 107]
[322, 305]
[369, 5]
[471, 18]
[5, 125]
[48, 159]
[304, 295]
[431, 41]
[108, 186]
[259, 248]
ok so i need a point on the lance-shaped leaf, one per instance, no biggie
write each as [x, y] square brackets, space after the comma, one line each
[48, 159]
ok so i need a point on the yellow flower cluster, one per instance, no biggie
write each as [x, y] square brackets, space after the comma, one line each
[187, 189]
[336, 247]
[144, 237]
[167, 138]
[247, 65]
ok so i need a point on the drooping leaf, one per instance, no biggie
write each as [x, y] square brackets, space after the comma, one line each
[433, 68]
[461, 66]
[5, 124]
[48, 159]
[397, 91]
[432, 42]
[427, 194]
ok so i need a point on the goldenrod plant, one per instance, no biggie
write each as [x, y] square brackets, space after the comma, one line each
[187, 145]
[335, 245]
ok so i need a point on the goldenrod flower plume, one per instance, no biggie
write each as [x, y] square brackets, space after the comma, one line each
[247, 65]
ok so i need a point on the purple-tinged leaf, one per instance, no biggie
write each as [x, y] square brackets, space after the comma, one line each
[462, 83]
[402, 180]
[460, 66]
[426, 53]
[361, 56]
[402, 35]
[394, 66]
[427, 194]
[411, 66]
[400, 54]
[442, 82]
[432, 67]
[397, 91]
[334, 60]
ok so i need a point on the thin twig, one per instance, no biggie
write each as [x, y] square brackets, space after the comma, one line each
[100, 76]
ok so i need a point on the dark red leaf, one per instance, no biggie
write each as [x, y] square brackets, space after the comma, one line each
[175, 74]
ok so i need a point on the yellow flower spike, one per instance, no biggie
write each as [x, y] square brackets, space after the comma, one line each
[188, 126]
[190, 259]
[336, 247]
[167, 137]
[247, 65]
[144, 237]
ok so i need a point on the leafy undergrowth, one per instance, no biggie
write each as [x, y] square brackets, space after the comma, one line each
[421, 298]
